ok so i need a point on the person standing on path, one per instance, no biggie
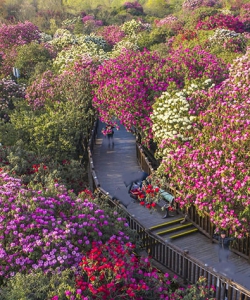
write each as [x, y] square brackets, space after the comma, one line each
[224, 243]
[110, 133]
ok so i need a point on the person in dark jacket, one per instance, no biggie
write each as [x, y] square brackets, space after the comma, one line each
[110, 133]
[224, 244]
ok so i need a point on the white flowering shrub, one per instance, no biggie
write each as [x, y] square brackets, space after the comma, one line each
[131, 43]
[44, 37]
[228, 39]
[62, 39]
[69, 56]
[171, 116]
[92, 38]
[131, 27]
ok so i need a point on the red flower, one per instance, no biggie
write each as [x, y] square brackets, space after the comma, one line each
[153, 204]
[142, 203]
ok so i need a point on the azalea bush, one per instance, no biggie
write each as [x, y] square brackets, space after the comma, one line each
[50, 228]
[112, 34]
[187, 64]
[112, 270]
[12, 36]
[194, 4]
[125, 87]
[211, 170]
[229, 22]
[172, 117]
[41, 171]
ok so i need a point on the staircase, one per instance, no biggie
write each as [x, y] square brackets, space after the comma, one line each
[174, 229]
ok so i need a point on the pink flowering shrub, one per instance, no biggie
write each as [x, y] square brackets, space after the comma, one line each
[187, 64]
[64, 86]
[12, 36]
[193, 4]
[171, 23]
[125, 87]
[211, 170]
[112, 34]
[221, 21]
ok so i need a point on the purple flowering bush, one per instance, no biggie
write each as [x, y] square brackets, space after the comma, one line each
[49, 229]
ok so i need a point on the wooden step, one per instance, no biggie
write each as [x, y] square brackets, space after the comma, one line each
[166, 224]
[174, 229]
[186, 232]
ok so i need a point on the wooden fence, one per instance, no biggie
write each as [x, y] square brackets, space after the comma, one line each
[203, 223]
[168, 255]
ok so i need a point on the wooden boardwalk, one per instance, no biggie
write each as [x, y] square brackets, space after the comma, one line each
[114, 163]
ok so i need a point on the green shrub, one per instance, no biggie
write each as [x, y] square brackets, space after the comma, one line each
[38, 286]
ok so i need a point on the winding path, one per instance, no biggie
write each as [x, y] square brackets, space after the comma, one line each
[114, 163]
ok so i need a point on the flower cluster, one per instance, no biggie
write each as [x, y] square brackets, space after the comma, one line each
[111, 269]
[171, 117]
[131, 27]
[152, 196]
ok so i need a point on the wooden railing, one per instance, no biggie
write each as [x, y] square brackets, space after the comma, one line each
[168, 255]
[203, 223]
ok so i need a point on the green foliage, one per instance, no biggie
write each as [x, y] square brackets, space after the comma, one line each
[157, 35]
[31, 56]
[38, 286]
[40, 171]
[54, 132]
[158, 8]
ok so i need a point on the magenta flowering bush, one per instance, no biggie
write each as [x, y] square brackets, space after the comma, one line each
[19, 34]
[133, 5]
[221, 21]
[49, 229]
[244, 16]
[125, 87]
[187, 64]
[12, 36]
[112, 34]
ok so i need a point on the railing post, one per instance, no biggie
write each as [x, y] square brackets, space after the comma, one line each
[185, 266]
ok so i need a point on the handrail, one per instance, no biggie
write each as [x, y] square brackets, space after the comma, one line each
[167, 254]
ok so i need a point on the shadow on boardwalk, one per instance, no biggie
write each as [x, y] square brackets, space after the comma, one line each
[112, 162]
